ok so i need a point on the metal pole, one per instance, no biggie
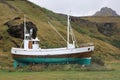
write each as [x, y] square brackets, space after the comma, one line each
[68, 30]
[24, 26]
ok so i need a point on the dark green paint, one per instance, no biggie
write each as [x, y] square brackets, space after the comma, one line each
[25, 61]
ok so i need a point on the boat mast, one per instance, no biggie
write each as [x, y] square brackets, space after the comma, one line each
[24, 27]
[68, 30]
[26, 35]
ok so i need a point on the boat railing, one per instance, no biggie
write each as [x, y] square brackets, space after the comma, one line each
[86, 44]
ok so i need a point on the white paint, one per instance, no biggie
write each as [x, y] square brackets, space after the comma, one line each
[54, 51]
[26, 42]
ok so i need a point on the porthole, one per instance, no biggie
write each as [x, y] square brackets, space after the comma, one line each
[88, 48]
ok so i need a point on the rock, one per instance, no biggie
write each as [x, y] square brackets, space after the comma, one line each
[107, 29]
[1, 37]
[105, 11]
[16, 18]
[16, 28]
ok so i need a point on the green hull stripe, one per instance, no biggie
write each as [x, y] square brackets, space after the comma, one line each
[85, 61]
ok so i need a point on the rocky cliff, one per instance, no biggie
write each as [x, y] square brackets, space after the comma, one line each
[105, 11]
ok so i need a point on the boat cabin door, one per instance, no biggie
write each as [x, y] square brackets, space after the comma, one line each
[35, 45]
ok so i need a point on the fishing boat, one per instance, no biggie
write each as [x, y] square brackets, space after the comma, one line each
[32, 53]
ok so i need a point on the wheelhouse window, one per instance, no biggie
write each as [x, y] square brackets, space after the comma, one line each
[35, 42]
[27, 37]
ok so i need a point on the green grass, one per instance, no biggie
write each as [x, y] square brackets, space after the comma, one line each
[65, 75]
[61, 75]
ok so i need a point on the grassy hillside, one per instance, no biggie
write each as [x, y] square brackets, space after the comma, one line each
[17, 8]
[114, 38]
